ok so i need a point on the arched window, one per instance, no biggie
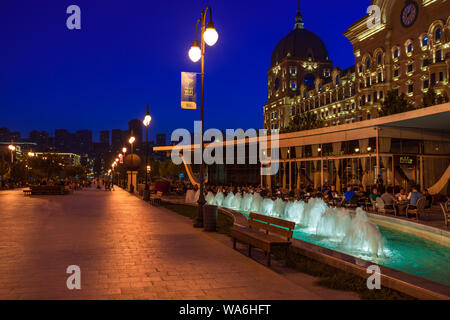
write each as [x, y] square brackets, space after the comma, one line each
[337, 80]
[410, 47]
[379, 59]
[396, 53]
[425, 41]
[438, 35]
[368, 64]
[293, 85]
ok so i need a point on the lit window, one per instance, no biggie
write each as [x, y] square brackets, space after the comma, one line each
[437, 35]
[293, 85]
[425, 41]
[410, 47]
[396, 53]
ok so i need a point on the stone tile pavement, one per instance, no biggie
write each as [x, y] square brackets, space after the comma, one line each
[127, 249]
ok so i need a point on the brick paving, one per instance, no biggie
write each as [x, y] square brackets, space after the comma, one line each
[126, 249]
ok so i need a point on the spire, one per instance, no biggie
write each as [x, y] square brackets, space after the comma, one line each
[299, 19]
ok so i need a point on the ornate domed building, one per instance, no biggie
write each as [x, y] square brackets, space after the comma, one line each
[299, 66]
[297, 60]
[406, 52]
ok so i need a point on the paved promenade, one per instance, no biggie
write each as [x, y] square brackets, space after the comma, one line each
[127, 249]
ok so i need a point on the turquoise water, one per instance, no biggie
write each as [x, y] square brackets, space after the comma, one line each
[404, 252]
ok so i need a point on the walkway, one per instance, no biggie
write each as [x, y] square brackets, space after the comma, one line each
[127, 249]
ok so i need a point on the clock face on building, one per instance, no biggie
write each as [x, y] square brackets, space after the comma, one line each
[409, 14]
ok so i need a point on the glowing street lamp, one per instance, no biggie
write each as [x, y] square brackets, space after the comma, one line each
[208, 35]
[31, 154]
[12, 148]
[131, 141]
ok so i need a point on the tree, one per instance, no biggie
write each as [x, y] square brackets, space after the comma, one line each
[73, 171]
[304, 121]
[431, 98]
[4, 168]
[394, 103]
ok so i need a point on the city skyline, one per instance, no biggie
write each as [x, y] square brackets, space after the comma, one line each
[236, 67]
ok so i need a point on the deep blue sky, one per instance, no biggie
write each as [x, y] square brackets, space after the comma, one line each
[130, 53]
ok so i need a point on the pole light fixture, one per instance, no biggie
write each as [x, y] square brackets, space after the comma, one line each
[208, 35]
[146, 121]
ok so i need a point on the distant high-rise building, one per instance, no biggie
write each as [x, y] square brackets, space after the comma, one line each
[104, 137]
[41, 138]
[83, 141]
[116, 140]
[161, 140]
[63, 140]
[5, 135]
[136, 126]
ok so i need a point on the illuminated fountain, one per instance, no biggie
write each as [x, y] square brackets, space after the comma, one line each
[347, 231]
[355, 234]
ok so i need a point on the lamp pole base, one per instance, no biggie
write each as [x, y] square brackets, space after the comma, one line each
[198, 223]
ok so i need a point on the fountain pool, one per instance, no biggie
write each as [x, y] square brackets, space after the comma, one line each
[350, 233]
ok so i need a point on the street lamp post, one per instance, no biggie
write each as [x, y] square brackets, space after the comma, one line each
[131, 141]
[124, 150]
[146, 121]
[12, 148]
[209, 36]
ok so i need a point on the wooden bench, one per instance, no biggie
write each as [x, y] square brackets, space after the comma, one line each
[156, 200]
[264, 233]
[48, 190]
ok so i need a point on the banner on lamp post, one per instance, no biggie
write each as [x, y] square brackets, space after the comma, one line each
[188, 90]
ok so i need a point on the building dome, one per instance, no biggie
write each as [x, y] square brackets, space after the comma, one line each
[301, 44]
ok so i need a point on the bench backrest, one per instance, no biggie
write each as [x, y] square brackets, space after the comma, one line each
[46, 187]
[421, 203]
[444, 211]
[273, 225]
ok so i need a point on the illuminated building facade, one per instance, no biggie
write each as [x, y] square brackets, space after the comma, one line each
[408, 52]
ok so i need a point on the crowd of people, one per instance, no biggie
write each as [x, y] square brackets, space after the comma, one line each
[351, 196]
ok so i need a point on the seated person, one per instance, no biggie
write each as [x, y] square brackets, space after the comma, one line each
[402, 196]
[373, 196]
[388, 199]
[429, 198]
[414, 196]
[348, 195]
[333, 192]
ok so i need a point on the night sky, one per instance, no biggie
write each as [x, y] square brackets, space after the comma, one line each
[130, 53]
